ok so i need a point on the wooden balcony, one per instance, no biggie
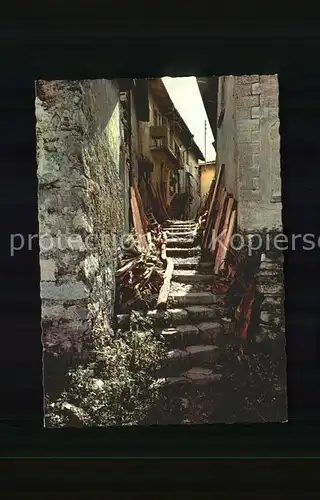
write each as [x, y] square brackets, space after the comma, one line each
[162, 140]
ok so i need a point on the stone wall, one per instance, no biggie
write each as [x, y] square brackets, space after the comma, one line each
[258, 145]
[81, 215]
[271, 288]
[248, 143]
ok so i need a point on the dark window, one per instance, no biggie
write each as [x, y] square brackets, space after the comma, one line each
[155, 116]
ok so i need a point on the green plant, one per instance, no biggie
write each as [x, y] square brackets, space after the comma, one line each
[117, 388]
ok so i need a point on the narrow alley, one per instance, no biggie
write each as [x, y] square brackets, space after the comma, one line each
[190, 328]
[152, 313]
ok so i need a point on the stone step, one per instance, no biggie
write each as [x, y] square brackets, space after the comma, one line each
[180, 242]
[186, 335]
[173, 317]
[194, 298]
[181, 360]
[182, 231]
[190, 235]
[196, 375]
[191, 263]
[183, 252]
[182, 263]
[180, 223]
[199, 314]
[187, 276]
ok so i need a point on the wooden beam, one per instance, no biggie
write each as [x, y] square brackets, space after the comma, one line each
[222, 200]
[226, 242]
[137, 221]
[140, 206]
[165, 289]
[221, 247]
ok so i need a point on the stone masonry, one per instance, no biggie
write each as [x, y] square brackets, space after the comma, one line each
[80, 216]
[248, 143]
[270, 287]
[258, 146]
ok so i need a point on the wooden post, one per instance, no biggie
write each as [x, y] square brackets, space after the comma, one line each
[221, 251]
[165, 289]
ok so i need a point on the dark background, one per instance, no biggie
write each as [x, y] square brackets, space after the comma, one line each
[41, 41]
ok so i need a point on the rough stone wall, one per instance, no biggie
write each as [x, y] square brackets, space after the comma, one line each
[258, 148]
[248, 143]
[80, 212]
[270, 286]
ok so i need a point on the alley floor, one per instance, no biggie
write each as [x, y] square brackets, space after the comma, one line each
[192, 372]
[193, 328]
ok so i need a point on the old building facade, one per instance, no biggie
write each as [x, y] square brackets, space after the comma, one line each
[172, 150]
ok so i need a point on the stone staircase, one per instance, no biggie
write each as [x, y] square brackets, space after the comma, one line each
[192, 328]
[191, 373]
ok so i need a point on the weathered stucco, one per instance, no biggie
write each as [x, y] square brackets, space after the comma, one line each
[80, 212]
[163, 166]
[207, 175]
[226, 134]
[249, 146]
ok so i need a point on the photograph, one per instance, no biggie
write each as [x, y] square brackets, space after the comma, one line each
[161, 251]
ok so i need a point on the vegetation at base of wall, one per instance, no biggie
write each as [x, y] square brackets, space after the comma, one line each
[116, 388]
[257, 380]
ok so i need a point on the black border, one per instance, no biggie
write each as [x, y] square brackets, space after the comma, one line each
[32, 50]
